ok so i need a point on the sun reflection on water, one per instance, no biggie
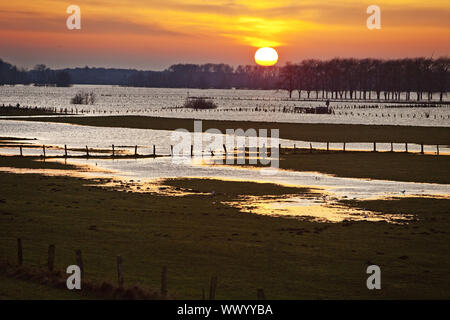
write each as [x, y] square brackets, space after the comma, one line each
[316, 209]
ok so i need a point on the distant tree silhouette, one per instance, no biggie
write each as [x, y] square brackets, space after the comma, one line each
[349, 78]
[356, 79]
[63, 79]
[10, 74]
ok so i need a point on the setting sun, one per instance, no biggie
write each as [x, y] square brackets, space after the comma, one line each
[266, 56]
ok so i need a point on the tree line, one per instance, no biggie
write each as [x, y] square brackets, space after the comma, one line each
[369, 78]
[208, 76]
[41, 75]
[366, 79]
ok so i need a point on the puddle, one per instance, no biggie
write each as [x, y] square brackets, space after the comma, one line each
[155, 186]
[146, 175]
[314, 209]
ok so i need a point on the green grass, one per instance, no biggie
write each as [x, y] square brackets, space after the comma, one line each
[293, 131]
[32, 163]
[396, 166]
[16, 289]
[25, 111]
[374, 165]
[197, 236]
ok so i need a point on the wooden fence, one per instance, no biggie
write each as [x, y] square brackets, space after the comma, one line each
[260, 295]
[88, 152]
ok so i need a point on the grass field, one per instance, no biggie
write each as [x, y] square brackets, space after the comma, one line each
[14, 111]
[17, 289]
[396, 166]
[293, 131]
[197, 236]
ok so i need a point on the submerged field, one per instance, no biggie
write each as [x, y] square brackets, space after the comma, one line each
[293, 131]
[197, 235]
[197, 229]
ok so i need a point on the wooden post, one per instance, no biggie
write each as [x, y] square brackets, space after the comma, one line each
[113, 150]
[19, 252]
[328, 146]
[21, 154]
[135, 151]
[344, 147]
[154, 151]
[260, 294]
[87, 151]
[310, 147]
[171, 150]
[224, 149]
[421, 148]
[392, 147]
[43, 149]
[374, 147]
[65, 151]
[119, 271]
[79, 260]
[164, 281]
[212, 288]
[406, 147]
[437, 149]
[279, 148]
[51, 257]
[192, 150]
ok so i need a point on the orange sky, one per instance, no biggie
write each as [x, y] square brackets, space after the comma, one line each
[152, 34]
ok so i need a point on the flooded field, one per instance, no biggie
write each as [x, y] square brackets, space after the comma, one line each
[58, 135]
[232, 104]
[254, 105]
[124, 187]
[145, 175]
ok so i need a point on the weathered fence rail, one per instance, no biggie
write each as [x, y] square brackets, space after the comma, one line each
[125, 152]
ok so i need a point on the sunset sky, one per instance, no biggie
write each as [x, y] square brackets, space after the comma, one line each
[150, 34]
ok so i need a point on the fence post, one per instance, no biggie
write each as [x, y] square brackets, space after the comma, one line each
[21, 154]
[19, 252]
[224, 149]
[113, 150]
[43, 149]
[87, 151]
[212, 288]
[154, 151]
[51, 257]
[344, 147]
[260, 294]
[374, 147]
[392, 147]
[310, 147]
[135, 151]
[421, 148]
[171, 150]
[65, 150]
[437, 149]
[328, 146]
[119, 271]
[79, 260]
[164, 281]
[406, 147]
